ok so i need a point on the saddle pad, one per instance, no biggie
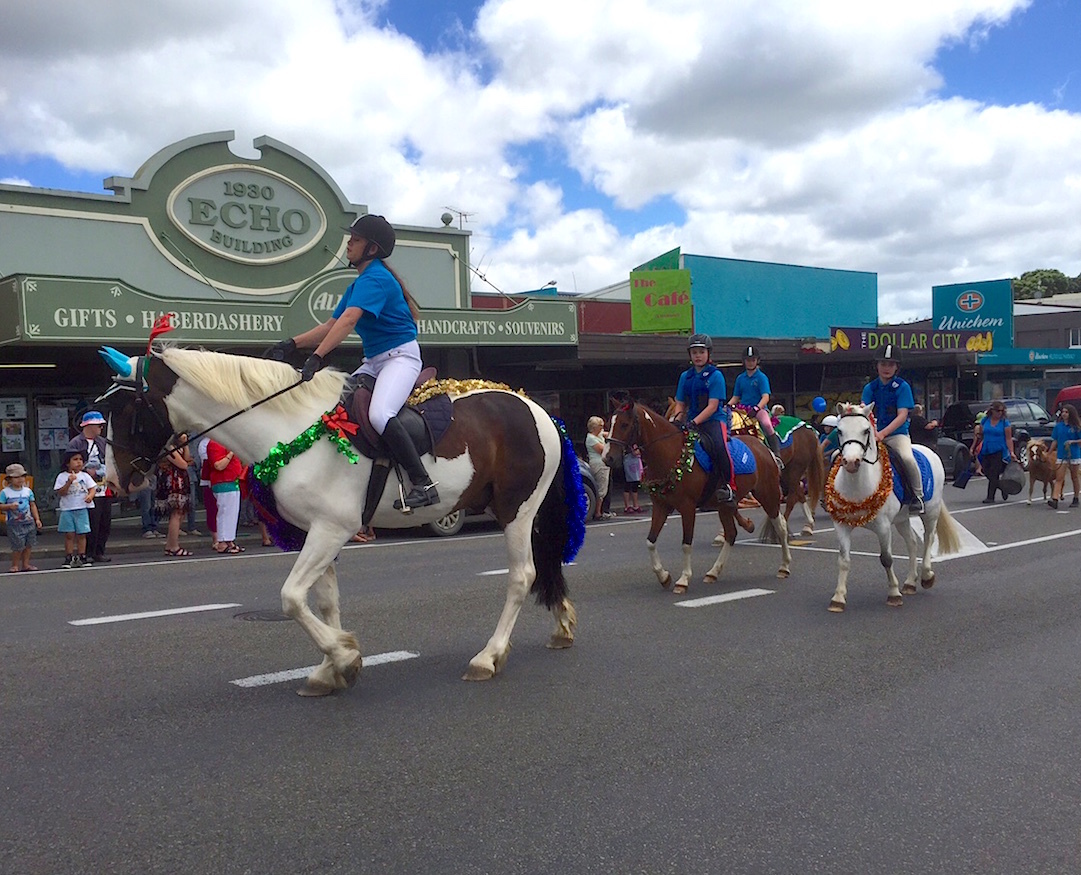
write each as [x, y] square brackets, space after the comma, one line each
[900, 482]
[742, 457]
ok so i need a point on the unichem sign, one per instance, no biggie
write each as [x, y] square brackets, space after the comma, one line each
[247, 214]
[983, 306]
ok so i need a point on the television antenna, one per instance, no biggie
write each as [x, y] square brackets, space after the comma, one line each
[462, 215]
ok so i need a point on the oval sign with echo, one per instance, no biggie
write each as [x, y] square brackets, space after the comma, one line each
[247, 215]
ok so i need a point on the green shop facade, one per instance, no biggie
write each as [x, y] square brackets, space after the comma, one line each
[242, 251]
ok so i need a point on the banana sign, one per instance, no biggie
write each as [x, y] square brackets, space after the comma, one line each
[863, 341]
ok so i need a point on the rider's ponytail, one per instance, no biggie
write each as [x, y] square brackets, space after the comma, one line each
[413, 308]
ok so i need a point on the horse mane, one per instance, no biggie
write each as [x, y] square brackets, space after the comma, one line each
[239, 381]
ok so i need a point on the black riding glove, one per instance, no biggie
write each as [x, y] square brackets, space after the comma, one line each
[312, 366]
[281, 350]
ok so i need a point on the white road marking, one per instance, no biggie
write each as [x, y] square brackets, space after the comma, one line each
[277, 677]
[727, 597]
[1028, 542]
[495, 572]
[146, 615]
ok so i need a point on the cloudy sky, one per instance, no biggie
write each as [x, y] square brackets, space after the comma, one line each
[929, 141]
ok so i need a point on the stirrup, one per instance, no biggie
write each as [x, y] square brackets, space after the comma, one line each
[916, 504]
[419, 496]
[725, 494]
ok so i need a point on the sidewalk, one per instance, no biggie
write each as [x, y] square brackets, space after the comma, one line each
[126, 537]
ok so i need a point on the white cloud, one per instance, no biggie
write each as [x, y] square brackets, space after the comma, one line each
[806, 133]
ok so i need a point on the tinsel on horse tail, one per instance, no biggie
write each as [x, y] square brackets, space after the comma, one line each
[574, 495]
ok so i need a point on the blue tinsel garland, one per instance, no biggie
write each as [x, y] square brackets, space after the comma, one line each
[284, 534]
[574, 495]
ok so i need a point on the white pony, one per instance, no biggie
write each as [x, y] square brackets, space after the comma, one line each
[501, 451]
[859, 493]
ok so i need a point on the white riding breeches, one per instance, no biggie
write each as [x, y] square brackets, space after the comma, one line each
[902, 445]
[395, 373]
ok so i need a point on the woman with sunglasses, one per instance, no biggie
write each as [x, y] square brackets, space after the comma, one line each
[995, 435]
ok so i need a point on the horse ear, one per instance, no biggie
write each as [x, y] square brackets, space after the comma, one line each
[841, 405]
[869, 408]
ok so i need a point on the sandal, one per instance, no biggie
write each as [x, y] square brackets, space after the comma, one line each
[231, 548]
[13, 570]
[31, 568]
[268, 543]
[180, 551]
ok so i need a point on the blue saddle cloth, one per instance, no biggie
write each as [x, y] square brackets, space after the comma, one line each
[900, 485]
[742, 457]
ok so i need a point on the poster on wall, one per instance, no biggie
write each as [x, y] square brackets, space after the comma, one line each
[12, 408]
[13, 436]
[53, 417]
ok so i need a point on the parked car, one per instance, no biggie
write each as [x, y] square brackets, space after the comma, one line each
[453, 522]
[1069, 395]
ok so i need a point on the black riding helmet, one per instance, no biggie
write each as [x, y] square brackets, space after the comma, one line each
[888, 354]
[700, 340]
[374, 229]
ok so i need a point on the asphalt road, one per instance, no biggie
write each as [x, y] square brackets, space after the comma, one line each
[761, 734]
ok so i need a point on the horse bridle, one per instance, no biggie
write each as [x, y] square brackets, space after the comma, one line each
[634, 438]
[863, 445]
[139, 385]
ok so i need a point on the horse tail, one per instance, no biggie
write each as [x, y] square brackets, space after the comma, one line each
[949, 535]
[816, 476]
[560, 527]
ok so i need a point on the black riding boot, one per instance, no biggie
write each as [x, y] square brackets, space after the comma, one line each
[405, 454]
[775, 445]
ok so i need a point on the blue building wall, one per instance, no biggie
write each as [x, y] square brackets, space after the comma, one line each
[736, 298]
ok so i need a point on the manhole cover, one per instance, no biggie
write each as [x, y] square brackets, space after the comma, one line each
[265, 616]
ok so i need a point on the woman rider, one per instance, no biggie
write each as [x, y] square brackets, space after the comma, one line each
[383, 313]
[699, 396]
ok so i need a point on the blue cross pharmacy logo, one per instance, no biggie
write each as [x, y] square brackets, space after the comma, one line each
[969, 301]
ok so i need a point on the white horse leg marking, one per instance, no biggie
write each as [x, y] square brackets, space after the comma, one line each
[904, 525]
[685, 576]
[808, 511]
[566, 618]
[780, 526]
[663, 576]
[325, 594]
[718, 566]
[930, 527]
[522, 572]
[320, 548]
[882, 527]
[844, 563]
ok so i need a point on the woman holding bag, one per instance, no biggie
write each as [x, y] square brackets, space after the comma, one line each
[996, 437]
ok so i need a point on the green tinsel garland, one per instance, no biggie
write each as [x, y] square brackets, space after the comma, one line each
[282, 454]
[683, 466]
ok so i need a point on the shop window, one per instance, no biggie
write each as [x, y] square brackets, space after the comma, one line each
[1075, 338]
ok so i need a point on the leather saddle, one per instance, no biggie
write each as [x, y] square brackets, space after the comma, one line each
[426, 423]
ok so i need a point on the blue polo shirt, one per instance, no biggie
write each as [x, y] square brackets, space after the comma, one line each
[889, 398]
[750, 388]
[386, 321]
[695, 389]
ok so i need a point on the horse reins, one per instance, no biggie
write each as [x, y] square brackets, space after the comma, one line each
[863, 445]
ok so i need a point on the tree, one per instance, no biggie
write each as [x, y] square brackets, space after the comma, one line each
[1043, 283]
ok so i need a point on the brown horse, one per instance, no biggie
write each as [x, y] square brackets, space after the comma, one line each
[1041, 467]
[803, 464]
[677, 482]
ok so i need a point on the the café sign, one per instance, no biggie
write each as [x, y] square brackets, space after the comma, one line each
[247, 214]
[864, 341]
[661, 300]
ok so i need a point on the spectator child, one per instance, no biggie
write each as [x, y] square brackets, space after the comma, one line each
[23, 520]
[76, 489]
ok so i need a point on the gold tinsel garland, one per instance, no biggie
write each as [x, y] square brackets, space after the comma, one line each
[859, 513]
[431, 388]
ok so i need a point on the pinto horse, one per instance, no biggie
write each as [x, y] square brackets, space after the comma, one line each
[677, 482]
[859, 493]
[501, 452]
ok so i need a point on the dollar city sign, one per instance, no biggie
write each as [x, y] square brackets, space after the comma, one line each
[864, 341]
[661, 300]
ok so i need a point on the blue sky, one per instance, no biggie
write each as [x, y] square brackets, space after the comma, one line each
[929, 145]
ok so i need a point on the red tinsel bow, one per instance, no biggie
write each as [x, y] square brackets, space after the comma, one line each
[338, 422]
[164, 323]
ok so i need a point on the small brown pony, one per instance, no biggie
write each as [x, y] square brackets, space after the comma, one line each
[677, 482]
[1041, 467]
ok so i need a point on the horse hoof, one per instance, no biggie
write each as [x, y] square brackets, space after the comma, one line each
[679, 589]
[559, 642]
[894, 601]
[667, 582]
[837, 607]
[929, 582]
[747, 525]
[314, 689]
[709, 578]
[807, 532]
[718, 541]
[478, 673]
[908, 589]
[783, 573]
[351, 672]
